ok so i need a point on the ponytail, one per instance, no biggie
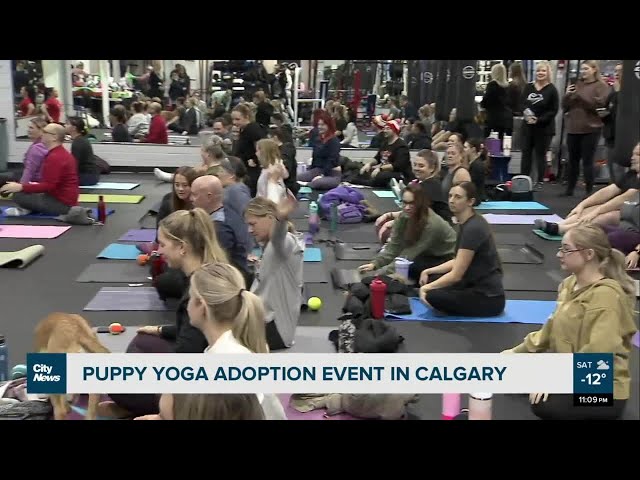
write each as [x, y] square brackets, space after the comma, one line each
[248, 326]
[614, 267]
[206, 240]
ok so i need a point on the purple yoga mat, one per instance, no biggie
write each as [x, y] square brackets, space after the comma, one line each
[293, 414]
[126, 299]
[498, 219]
[139, 235]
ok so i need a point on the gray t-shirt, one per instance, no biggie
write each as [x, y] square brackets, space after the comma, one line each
[484, 274]
[630, 214]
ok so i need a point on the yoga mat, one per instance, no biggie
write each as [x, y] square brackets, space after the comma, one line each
[635, 340]
[300, 224]
[384, 194]
[119, 251]
[31, 231]
[356, 251]
[93, 198]
[126, 299]
[511, 206]
[304, 190]
[314, 272]
[496, 219]
[20, 258]
[519, 254]
[509, 238]
[42, 215]
[119, 272]
[301, 211]
[535, 312]
[319, 414]
[139, 235]
[546, 236]
[110, 186]
[531, 278]
[312, 254]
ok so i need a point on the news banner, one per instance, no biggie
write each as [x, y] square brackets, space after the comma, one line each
[588, 376]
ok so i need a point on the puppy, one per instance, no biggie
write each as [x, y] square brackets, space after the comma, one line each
[68, 333]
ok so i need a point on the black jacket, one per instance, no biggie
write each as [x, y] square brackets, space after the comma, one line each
[188, 339]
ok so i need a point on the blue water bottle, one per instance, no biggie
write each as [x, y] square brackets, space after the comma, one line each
[4, 360]
[314, 219]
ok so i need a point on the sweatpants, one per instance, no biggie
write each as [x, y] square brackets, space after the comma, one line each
[624, 240]
[324, 183]
[581, 146]
[40, 203]
[560, 407]
[465, 303]
[535, 145]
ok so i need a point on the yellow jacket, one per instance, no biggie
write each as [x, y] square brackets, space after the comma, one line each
[598, 318]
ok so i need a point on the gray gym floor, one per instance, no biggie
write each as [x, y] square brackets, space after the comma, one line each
[49, 285]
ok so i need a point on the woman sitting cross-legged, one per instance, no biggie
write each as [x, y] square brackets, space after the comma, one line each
[595, 314]
[187, 240]
[324, 172]
[471, 284]
[231, 318]
[418, 235]
[82, 151]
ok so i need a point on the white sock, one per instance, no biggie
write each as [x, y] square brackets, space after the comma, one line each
[16, 212]
[163, 176]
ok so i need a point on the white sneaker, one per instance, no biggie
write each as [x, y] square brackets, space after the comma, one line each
[16, 212]
[163, 176]
[303, 184]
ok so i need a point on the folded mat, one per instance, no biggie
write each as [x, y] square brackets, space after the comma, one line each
[546, 236]
[110, 186]
[139, 235]
[94, 213]
[516, 311]
[315, 272]
[94, 197]
[356, 251]
[120, 251]
[519, 254]
[531, 278]
[497, 205]
[497, 219]
[115, 272]
[31, 231]
[126, 299]
[384, 194]
[21, 258]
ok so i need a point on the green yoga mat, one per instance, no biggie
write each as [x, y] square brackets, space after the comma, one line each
[546, 236]
[93, 198]
[21, 258]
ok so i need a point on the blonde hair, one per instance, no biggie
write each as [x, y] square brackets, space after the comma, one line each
[432, 160]
[246, 111]
[222, 288]
[595, 65]
[499, 74]
[464, 161]
[263, 207]
[207, 406]
[549, 68]
[612, 261]
[195, 228]
[270, 152]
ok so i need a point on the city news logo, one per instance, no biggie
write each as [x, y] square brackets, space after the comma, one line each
[593, 379]
[47, 373]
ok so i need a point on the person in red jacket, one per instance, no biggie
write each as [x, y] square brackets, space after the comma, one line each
[58, 189]
[157, 127]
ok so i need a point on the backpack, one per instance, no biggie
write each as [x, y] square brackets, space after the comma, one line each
[350, 213]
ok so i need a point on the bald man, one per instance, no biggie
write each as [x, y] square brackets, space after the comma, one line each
[58, 189]
[233, 233]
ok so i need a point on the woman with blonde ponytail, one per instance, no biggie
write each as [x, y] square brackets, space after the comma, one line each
[231, 319]
[595, 314]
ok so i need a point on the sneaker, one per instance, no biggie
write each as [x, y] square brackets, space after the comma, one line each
[163, 176]
[16, 212]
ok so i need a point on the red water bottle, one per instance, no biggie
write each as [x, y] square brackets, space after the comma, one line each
[378, 291]
[102, 210]
[157, 266]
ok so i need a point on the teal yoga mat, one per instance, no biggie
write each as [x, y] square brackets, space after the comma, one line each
[534, 312]
[120, 251]
[305, 190]
[110, 186]
[384, 194]
[511, 206]
[311, 254]
[42, 215]
[546, 236]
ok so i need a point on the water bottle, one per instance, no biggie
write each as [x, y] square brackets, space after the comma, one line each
[314, 220]
[378, 293]
[102, 210]
[450, 405]
[346, 334]
[480, 406]
[334, 217]
[4, 360]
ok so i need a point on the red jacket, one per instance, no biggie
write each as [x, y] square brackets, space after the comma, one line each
[157, 131]
[59, 177]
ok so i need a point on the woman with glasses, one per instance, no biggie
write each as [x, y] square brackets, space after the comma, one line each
[418, 234]
[595, 313]
[470, 285]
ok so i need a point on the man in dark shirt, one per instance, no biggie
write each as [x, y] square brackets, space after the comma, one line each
[392, 161]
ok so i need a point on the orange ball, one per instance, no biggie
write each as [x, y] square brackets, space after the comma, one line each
[116, 329]
[143, 259]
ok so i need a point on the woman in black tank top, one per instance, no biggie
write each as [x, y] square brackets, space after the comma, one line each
[456, 168]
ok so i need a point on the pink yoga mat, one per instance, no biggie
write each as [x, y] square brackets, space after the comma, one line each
[31, 231]
[293, 414]
[498, 219]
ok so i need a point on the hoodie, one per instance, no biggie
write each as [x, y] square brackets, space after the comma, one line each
[598, 318]
[581, 106]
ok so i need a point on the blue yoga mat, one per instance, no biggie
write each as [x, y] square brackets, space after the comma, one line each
[110, 186]
[534, 312]
[312, 254]
[305, 190]
[384, 194]
[120, 251]
[511, 206]
[42, 215]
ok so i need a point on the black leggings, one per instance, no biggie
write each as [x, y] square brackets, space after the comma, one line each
[465, 303]
[560, 407]
[581, 146]
[534, 151]
[422, 262]
[274, 340]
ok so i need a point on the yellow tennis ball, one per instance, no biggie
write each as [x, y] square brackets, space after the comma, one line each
[314, 303]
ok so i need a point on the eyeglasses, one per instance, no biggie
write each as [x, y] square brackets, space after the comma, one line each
[565, 251]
